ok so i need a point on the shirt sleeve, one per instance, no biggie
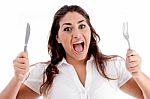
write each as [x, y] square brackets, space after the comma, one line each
[35, 77]
[116, 69]
[123, 74]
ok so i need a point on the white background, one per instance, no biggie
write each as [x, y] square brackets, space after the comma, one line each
[107, 17]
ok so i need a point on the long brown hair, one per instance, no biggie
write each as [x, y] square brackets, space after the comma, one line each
[57, 51]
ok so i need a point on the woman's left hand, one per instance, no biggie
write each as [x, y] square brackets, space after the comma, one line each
[133, 62]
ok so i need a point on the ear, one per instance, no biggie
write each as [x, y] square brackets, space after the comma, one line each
[58, 39]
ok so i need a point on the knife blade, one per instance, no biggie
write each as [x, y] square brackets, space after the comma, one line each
[27, 36]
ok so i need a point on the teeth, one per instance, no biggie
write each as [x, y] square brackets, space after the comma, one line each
[78, 42]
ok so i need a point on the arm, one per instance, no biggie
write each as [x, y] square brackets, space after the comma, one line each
[132, 88]
[15, 88]
[138, 86]
[26, 93]
[11, 89]
[143, 82]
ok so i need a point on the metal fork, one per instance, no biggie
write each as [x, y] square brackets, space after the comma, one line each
[125, 33]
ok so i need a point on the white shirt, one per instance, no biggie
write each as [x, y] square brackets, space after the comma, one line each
[66, 84]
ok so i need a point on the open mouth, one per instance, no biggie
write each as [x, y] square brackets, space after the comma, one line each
[78, 46]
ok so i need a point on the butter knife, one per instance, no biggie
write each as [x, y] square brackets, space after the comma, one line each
[27, 37]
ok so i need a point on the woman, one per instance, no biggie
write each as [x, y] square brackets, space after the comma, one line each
[77, 68]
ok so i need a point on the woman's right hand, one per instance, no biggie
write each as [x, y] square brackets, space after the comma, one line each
[21, 66]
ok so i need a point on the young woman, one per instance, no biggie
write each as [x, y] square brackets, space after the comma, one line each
[77, 68]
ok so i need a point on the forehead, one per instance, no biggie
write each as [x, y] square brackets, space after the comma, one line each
[72, 17]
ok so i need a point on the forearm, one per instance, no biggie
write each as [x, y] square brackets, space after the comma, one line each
[143, 81]
[11, 90]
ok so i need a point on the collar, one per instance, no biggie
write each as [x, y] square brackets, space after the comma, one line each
[62, 62]
[66, 63]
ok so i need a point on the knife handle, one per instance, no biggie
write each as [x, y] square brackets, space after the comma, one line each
[25, 48]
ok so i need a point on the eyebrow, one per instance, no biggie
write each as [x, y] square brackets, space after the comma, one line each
[71, 24]
[81, 21]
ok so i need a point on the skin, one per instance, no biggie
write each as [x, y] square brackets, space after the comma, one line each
[73, 29]
[133, 65]
[135, 86]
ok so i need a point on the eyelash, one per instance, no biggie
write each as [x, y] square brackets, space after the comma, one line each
[67, 29]
[81, 26]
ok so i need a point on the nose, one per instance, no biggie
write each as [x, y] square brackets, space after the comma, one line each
[77, 34]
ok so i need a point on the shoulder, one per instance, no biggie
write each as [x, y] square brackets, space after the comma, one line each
[115, 60]
[40, 65]
[115, 65]
[38, 68]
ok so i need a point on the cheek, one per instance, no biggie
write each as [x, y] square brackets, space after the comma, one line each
[65, 40]
[62, 37]
[88, 36]
[89, 39]
[87, 31]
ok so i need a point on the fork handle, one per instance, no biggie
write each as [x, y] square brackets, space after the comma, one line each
[129, 44]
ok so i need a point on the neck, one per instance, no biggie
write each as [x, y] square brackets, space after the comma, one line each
[76, 63]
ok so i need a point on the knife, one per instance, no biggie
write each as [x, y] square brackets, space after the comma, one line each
[27, 36]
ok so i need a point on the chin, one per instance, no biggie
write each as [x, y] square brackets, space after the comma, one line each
[81, 57]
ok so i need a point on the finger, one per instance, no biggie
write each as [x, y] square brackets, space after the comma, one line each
[134, 64]
[134, 69]
[131, 52]
[133, 58]
[23, 55]
[21, 60]
[21, 66]
[21, 63]
[21, 71]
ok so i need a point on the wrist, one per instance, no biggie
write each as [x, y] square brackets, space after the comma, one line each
[137, 75]
[19, 78]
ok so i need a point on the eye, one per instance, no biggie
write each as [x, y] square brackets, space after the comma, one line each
[67, 29]
[82, 26]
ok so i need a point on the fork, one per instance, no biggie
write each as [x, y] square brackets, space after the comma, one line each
[125, 33]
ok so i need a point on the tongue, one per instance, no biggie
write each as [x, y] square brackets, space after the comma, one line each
[78, 47]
